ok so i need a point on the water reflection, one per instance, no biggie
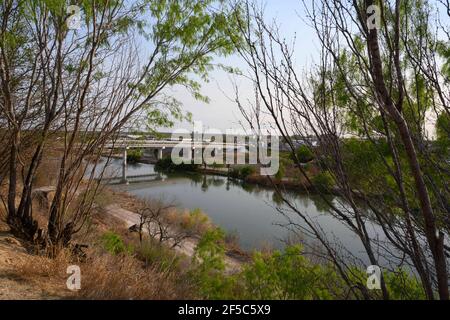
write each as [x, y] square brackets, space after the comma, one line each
[257, 214]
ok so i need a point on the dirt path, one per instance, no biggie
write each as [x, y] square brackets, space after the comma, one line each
[187, 247]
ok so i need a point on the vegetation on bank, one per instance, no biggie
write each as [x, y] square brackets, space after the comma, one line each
[285, 274]
[279, 275]
[242, 172]
[391, 166]
[369, 125]
[134, 155]
[166, 165]
[118, 265]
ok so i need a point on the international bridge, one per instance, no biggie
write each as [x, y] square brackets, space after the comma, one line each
[160, 145]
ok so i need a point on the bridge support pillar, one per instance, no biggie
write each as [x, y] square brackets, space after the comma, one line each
[160, 154]
[124, 167]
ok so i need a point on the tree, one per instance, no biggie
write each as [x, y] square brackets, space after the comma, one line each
[304, 154]
[376, 84]
[73, 90]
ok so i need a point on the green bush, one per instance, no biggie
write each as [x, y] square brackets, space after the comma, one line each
[247, 171]
[209, 263]
[155, 254]
[285, 275]
[403, 287]
[242, 172]
[114, 244]
[281, 275]
[323, 181]
[304, 154]
[166, 165]
[134, 155]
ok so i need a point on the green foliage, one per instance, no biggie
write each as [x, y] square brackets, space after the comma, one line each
[401, 286]
[285, 275]
[210, 250]
[166, 165]
[304, 154]
[134, 155]
[242, 172]
[281, 275]
[210, 266]
[285, 161]
[443, 132]
[363, 162]
[323, 181]
[443, 49]
[188, 33]
[160, 256]
[114, 244]
[247, 171]
[281, 171]
[183, 37]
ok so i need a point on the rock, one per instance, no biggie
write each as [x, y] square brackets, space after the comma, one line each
[44, 196]
[134, 228]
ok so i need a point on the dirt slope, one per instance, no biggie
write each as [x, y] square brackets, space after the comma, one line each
[13, 285]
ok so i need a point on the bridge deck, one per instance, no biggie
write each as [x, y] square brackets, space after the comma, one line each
[170, 144]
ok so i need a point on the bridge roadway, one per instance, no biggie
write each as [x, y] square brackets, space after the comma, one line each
[160, 145]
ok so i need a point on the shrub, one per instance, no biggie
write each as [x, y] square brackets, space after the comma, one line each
[195, 221]
[403, 287]
[242, 172]
[166, 165]
[114, 244]
[134, 155]
[278, 275]
[304, 154]
[247, 171]
[284, 275]
[158, 256]
[208, 272]
[323, 181]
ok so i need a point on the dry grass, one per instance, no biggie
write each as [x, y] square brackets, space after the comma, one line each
[104, 276]
[45, 274]
[41, 266]
[124, 277]
[195, 221]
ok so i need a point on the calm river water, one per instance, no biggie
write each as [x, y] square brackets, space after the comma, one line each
[249, 211]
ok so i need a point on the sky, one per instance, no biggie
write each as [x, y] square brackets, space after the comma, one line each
[221, 112]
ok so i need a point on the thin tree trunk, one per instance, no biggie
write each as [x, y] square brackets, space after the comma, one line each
[435, 239]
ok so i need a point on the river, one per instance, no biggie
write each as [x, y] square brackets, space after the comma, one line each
[250, 212]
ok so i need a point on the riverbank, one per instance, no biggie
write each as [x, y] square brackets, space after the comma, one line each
[266, 181]
[116, 265]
